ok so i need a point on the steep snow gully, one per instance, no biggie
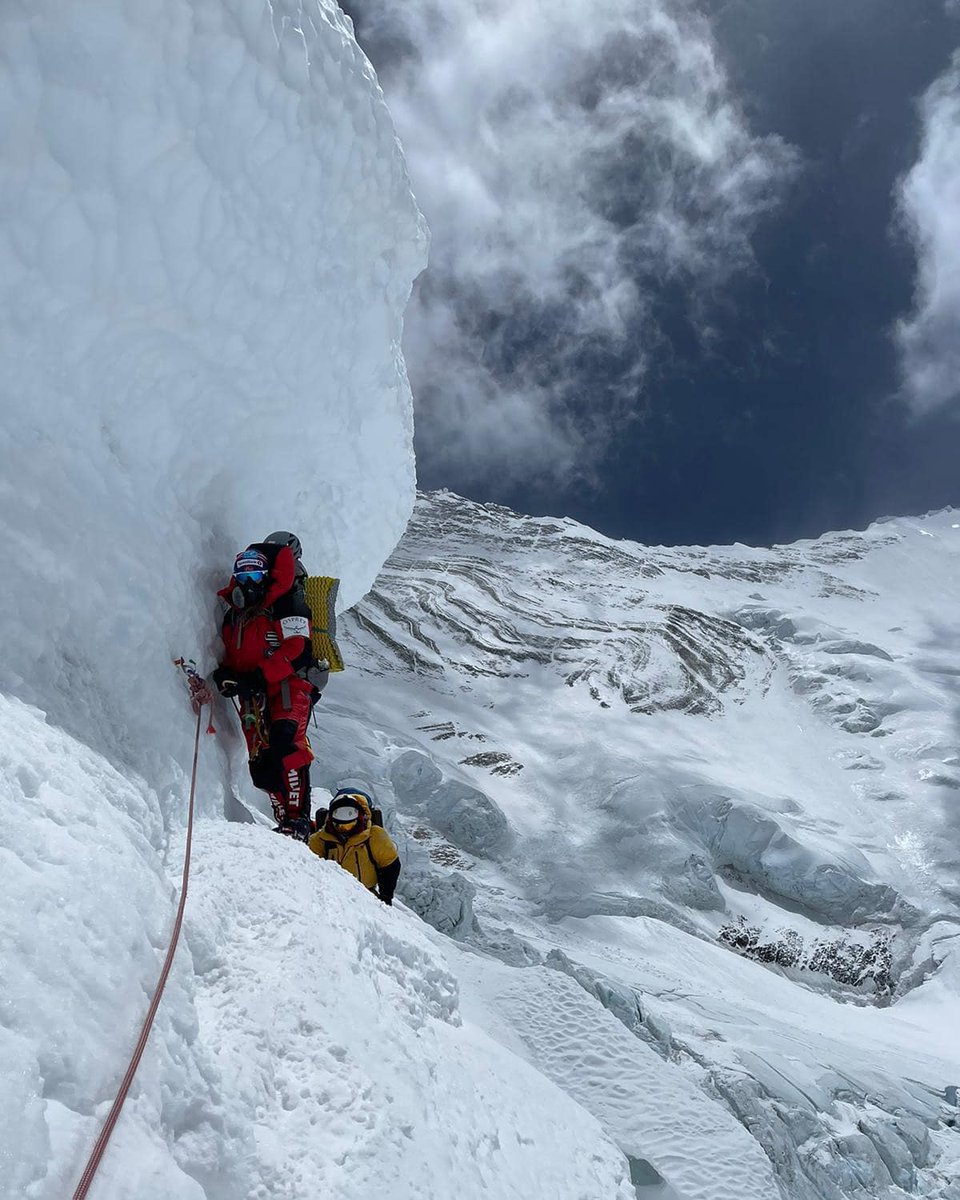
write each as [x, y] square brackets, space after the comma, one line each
[679, 911]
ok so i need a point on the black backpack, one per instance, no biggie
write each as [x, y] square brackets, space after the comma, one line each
[318, 595]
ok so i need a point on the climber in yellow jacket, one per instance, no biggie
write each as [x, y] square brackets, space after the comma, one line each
[350, 836]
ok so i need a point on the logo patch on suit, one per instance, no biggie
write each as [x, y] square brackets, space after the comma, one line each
[295, 627]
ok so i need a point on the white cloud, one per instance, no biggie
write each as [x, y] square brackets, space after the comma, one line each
[930, 204]
[570, 156]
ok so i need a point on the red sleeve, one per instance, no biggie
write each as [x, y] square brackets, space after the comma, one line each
[280, 663]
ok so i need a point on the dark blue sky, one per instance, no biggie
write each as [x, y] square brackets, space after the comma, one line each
[790, 426]
[786, 422]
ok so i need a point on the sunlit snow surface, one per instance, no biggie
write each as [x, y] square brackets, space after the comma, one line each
[657, 742]
[86, 906]
[336, 1024]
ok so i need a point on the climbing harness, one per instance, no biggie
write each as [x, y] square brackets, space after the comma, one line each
[252, 715]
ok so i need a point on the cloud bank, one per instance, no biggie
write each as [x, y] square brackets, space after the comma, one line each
[574, 159]
[929, 339]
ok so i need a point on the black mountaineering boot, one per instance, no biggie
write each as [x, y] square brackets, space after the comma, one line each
[294, 827]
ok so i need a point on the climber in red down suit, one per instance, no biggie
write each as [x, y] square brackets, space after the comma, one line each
[266, 639]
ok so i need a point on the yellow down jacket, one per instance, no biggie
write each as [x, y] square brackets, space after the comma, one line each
[360, 854]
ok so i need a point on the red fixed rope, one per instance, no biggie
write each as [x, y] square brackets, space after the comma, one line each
[100, 1148]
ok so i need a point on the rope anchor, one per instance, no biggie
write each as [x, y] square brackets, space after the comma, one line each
[200, 693]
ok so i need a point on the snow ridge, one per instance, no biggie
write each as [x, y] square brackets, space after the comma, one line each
[364, 1072]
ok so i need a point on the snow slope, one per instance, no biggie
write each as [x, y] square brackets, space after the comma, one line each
[309, 1042]
[364, 1076]
[653, 1112]
[86, 914]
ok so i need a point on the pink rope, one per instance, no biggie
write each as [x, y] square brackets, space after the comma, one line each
[99, 1149]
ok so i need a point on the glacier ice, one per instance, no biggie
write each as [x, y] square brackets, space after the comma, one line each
[207, 239]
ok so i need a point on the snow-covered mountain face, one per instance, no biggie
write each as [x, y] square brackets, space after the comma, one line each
[636, 772]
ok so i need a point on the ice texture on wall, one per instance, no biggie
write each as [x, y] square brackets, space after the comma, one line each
[207, 239]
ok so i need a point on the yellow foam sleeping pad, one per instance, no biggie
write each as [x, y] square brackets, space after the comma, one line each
[320, 592]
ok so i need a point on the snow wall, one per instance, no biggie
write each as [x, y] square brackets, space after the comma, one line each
[207, 239]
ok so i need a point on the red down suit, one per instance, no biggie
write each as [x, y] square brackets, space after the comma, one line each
[274, 637]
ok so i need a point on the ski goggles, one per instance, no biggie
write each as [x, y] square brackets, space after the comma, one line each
[345, 814]
[250, 576]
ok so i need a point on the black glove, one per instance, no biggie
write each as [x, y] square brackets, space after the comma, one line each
[251, 683]
[387, 881]
[226, 681]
